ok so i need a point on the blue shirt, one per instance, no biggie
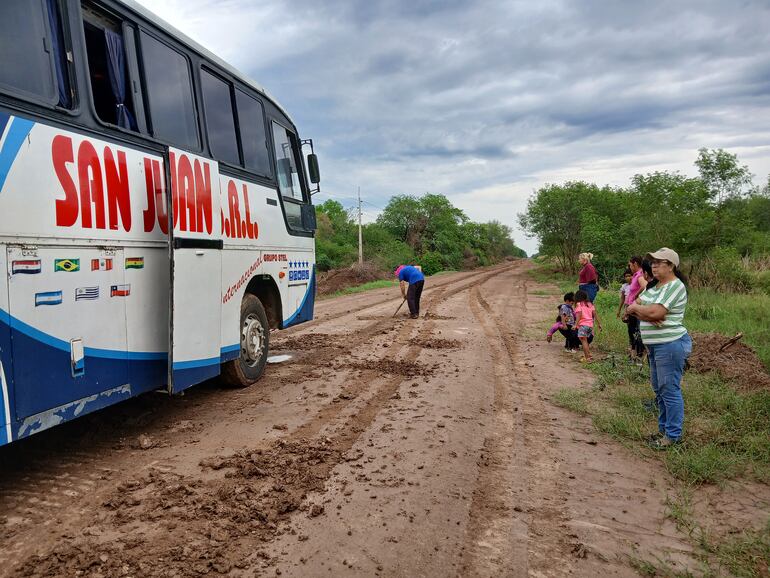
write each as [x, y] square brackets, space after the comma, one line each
[410, 275]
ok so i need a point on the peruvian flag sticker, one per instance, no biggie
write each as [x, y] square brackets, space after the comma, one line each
[104, 264]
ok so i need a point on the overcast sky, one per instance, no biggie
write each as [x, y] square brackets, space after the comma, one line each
[486, 101]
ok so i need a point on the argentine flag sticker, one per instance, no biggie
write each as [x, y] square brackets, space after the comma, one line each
[48, 298]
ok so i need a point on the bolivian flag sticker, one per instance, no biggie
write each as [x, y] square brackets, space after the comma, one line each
[66, 265]
[134, 262]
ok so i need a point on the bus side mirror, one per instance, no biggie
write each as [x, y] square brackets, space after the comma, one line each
[312, 165]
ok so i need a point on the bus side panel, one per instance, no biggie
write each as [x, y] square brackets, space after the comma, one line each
[247, 220]
[147, 319]
[78, 198]
[6, 369]
[68, 328]
[261, 245]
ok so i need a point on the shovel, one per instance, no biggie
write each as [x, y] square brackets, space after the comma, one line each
[399, 307]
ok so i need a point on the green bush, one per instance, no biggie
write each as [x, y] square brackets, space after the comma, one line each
[431, 263]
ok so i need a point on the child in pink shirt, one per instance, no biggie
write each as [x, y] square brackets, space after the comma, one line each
[585, 315]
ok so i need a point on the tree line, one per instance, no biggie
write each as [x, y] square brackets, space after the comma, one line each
[427, 230]
[718, 222]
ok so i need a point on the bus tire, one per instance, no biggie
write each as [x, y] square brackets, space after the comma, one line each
[254, 332]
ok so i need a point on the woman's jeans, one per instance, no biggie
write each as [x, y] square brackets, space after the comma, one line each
[591, 290]
[666, 368]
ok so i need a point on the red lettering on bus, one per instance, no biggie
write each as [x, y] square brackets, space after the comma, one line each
[203, 204]
[91, 186]
[86, 199]
[156, 198]
[191, 194]
[251, 227]
[118, 192]
[66, 208]
[235, 213]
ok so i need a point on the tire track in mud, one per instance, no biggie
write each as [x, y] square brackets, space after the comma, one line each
[548, 550]
[362, 337]
[496, 536]
[333, 316]
[175, 525]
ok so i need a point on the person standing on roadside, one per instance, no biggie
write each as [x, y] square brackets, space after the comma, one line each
[588, 279]
[637, 285]
[411, 281]
[660, 310]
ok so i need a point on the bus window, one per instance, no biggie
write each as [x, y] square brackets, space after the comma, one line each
[286, 160]
[26, 51]
[169, 94]
[107, 67]
[251, 121]
[220, 123]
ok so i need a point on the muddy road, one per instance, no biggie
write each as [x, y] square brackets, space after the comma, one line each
[383, 447]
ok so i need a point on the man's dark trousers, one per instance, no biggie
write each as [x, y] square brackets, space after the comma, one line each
[413, 297]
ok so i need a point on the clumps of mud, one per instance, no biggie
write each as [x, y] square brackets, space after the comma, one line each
[395, 367]
[307, 342]
[737, 363]
[437, 317]
[173, 525]
[437, 343]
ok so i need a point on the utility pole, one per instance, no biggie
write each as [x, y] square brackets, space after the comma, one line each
[360, 236]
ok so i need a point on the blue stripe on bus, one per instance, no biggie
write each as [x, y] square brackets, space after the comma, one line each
[4, 117]
[195, 363]
[55, 342]
[230, 352]
[305, 311]
[17, 132]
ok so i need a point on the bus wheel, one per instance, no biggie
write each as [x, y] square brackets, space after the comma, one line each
[255, 343]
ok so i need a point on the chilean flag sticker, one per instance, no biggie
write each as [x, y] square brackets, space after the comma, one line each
[120, 290]
[26, 267]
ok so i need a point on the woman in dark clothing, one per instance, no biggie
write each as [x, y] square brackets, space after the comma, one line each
[588, 279]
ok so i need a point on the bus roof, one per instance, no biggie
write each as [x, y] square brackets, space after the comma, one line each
[184, 39]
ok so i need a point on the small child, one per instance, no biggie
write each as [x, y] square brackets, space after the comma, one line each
[625, 289]
[585, 317]
[565, 323]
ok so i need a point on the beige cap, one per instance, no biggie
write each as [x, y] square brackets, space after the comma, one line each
[665, 254]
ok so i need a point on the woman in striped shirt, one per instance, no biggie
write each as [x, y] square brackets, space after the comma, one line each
[660, 311]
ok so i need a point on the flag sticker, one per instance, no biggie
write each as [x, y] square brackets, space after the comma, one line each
[27, 267]
[86, 293]
[66, 265]
[134, 262]
[48, 298]
[104, 264]
[120, 290]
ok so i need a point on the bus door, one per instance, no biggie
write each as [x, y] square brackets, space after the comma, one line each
[195, 247]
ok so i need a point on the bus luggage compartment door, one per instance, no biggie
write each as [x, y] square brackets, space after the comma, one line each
[67, 315]
[196, 270]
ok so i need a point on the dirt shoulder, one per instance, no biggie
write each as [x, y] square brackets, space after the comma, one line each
[385, 447]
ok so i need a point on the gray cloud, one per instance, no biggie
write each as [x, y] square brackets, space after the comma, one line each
[487, 100]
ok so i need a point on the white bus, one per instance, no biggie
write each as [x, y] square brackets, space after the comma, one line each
[155, 213]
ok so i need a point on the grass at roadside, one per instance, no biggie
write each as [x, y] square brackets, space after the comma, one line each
[379, 284]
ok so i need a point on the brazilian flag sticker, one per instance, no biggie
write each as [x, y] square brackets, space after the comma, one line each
[66, 265]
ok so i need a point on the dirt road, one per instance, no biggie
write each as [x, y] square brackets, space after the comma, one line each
[383, 447]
